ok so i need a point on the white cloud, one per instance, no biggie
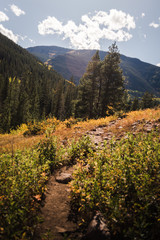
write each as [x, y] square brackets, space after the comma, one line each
[16, 10]
[115, 20]
[50, 26]
[3, 17]
[158, 64]
[114, 25]
[31, 40]
[25, 38]
[154, 25]
[8, 33]
[143, 15]
[145, 36]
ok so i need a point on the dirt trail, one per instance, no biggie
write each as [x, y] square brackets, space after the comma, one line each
[56, 209]
[55, 212]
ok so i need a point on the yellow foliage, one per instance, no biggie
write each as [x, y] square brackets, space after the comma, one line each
[16, 140]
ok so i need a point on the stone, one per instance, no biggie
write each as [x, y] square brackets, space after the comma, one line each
[61, 230]
[94, 129]
[148, 130]
[64, 178]
[97, 229]
[126, 137]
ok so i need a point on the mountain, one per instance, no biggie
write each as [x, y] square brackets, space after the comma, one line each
[140, 76]
[27, 86]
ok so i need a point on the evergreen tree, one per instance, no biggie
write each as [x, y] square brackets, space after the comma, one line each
[135, 104]
[69, 97]
[57, 105]
[147, 100]
[88, 90]
[11, 104]
[101, 88]
[112, 81]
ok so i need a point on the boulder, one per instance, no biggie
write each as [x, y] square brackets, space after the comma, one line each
[64, 178]
[97, 229]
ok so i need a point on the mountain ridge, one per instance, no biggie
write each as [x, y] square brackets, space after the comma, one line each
[140, 76]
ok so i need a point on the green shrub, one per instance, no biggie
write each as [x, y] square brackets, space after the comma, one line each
[22, 182]
[34, 128]
[122, 181]
[72, 121]
[47, 151]
[79, 149]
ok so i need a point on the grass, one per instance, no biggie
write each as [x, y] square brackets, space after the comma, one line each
[125, 124]
[16, 140]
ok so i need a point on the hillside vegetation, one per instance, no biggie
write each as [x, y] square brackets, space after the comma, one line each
[119, 179]
[27, 87]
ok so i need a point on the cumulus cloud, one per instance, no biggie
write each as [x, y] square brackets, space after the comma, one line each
[8, 33]
[114, 25]
[154, 25]
[16, 10]
[3, 17]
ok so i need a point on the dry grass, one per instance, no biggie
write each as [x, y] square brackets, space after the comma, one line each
[125, 124]
[11, 142]
[14, 141]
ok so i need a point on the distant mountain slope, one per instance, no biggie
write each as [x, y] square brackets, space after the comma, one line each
[26, 86]
[47, 52]
[140, 76]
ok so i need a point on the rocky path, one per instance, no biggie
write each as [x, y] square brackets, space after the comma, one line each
[56, 210]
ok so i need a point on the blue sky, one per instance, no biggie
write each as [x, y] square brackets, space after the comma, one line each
[85, 24]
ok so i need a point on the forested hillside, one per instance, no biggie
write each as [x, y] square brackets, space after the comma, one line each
[28, 89]
[31, 91]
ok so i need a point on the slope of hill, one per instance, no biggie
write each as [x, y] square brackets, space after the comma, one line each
[26, 85]
[140, 76]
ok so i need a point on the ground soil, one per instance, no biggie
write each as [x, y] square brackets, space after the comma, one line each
[55, 213]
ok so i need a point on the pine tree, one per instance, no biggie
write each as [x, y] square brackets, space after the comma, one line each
[112, 81]
[11, 104]
[147, 100]
[57, 104]
[135, 104]
[88, 90]
[69, 97]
